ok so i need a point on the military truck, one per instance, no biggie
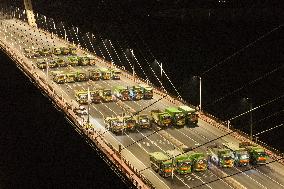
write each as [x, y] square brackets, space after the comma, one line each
[161, 163]
[105, 74]
[181, 161]
[222, 157]
[162, 119]
[94, 74]
[241, 155]
[52, 63]
[41, 63]
[135, 92]
[199, 161]
[84, 60]
[45, 51]
[59, 77]
[106, 95]
[92, 60]
[177, 116]
[56, 51]
[121, 92]
[257, 154]
[142, 121]
[81, 96]
[114, 124]
[70, 77]
[115, 74]
[31, 52]
[191, 115]
[72, 50]
[81, 76]
[129, 123]
[147, 92]
[60, 62]
[73, 60]
[64, 50]
[95, 96]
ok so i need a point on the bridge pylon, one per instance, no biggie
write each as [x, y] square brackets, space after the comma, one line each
[30, 13]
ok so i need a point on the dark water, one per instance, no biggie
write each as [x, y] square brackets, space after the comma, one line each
[38, 147]
[189, 38]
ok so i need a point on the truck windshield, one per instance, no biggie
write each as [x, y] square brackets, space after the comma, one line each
[244, 156]
[261, 154]
[144, 120]
[184, 164]
[83, 96]
[117, 123]
[226, 158]
[107, 93]
[167, 165]
[179, 116]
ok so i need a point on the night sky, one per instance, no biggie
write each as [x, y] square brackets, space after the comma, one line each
[39, 148]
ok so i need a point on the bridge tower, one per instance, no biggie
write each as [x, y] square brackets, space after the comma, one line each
[30, 13]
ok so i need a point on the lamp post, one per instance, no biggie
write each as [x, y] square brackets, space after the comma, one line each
[200, 92]
[133, 70]
[250, 109]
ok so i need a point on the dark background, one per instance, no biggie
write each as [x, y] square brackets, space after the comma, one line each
[189, 38]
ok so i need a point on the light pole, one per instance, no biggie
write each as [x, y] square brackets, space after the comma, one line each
[250, 109]
[200, 92]
[133, 71]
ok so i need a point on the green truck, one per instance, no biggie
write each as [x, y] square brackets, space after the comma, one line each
[94, 74]
[60, 62]
[73, 60]
[45, 51]
[121, 92]
[147, 92]
[58, 77]
[241, 155]
[52, 63]
[129, 123]
[177, 116]
[72, 50]
[95, 96]
[106, 95]
[162, 119]
[191, 115]
[161, 163]
[135, 92]
[41, 63]
[115, 73]
[114, 124]
[81, 96]
[257, 153]
[222, 157]
[56, 51]
[81, 76]
[142, 121]
[70, 77]
[105, 73]
[199, 160]
[64, 50]
[84, 60]
[181, 161]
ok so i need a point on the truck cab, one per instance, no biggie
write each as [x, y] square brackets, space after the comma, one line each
[105, 74]
[94, 74]
[95, 96]
[59, 78]
[81, 97]
[199, 161]
[64, 50]
[191, 115]
[114, 125]
[147, 92]
[223, 157]
[161, 163]
[106, 95]
[182, 162]
[84, 60]
[41, 63]
[56, 51]
[70, 77]
[135, 92]
[73, 60]
[241, 155]
[121, 92]
[115, 74]
[81, 76]
[60, 62]
[177, 116]
[129, 123]
[162, 119]
[72, 50]
[143, 121]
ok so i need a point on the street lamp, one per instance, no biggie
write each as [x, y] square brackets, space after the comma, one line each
[199, 91]
[250, 109]
[161, 67]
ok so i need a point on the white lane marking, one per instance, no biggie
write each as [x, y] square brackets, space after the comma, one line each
[269, 177]
[197, 177]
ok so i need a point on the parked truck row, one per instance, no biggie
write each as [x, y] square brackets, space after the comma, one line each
[187, 161]
[127, 123]
[178, 162]
[47, 51]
